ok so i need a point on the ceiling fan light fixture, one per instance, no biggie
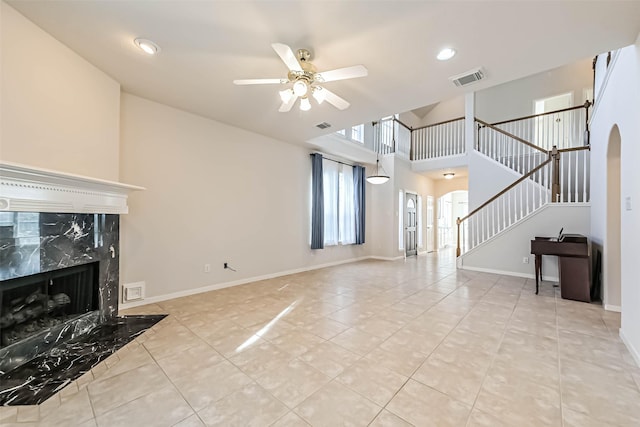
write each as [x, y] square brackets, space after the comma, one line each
[147, 46]
[300, 88]
[319, 94]
[286, 95]
[305, 105]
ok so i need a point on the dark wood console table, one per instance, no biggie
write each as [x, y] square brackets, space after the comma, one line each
[574, 263]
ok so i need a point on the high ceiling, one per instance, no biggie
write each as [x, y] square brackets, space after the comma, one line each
[207, 44]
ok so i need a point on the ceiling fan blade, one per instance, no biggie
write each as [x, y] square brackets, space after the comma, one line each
[342, 73]
[259, 81]
[288, 57]
[335, 100]
[286, 106]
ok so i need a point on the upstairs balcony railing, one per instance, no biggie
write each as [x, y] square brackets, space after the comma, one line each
[438, 140]
[392, 136]
[565, 128]
[519, 143]
[508, 149]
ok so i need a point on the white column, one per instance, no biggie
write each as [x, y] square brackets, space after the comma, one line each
[469, 123]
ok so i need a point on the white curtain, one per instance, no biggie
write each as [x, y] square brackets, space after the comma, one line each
[347, 211]
[331, 183]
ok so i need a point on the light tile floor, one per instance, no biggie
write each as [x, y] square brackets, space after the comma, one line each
[413, 342]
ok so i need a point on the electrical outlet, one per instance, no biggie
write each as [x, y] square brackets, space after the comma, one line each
[525, 260]
[207, 268]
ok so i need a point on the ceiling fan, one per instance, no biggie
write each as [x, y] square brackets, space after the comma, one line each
[305, 81]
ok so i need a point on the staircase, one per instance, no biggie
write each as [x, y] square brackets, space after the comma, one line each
[548, 174]
[548, 152]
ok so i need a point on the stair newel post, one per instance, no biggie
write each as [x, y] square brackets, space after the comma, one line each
[555, 174]
[587, 136]
[393, 135]
[376, 137]
[458, 244]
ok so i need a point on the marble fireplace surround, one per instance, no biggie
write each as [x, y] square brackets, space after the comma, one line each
[78, 222]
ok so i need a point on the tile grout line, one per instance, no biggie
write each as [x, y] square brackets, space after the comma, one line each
[416, 369]
[410, 377]
[562, 423]
[495, 355]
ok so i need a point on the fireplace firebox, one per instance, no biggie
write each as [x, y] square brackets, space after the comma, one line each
[39, 302]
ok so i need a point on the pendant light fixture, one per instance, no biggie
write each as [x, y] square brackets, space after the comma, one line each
[378, 178]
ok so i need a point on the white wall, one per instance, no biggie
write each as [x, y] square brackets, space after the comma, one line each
[383, 212]
[619, 105]
[504, 253]
[516, 99]
[444, 186]
[445, 110]
[58, 111]
[215, 194]
[486, 178]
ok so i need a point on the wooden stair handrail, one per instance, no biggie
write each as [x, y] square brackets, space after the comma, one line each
[509, 187]
[409, 128]
[439, 123]
[587, 104]
[566, 150]
[510, 135]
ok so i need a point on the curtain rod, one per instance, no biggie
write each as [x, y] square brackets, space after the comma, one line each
[335, 161]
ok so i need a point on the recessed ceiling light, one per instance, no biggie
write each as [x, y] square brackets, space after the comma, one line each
[446, 53]
[147, 46]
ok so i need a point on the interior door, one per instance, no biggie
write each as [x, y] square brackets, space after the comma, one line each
[411, 223]
[430, 230]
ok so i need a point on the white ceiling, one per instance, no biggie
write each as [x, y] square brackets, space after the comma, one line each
[460, 172]
[207, 44]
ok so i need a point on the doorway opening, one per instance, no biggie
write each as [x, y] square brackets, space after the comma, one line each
[613, 242]
[430, 223]
[451, 206]
[411, 224]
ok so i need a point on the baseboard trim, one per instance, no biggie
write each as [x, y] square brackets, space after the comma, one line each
[507, 273]
[194, 291]
[634, 352]
[610, 307]
[386, 258]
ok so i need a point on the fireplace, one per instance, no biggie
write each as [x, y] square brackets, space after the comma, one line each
[33, 304]
[59, 279]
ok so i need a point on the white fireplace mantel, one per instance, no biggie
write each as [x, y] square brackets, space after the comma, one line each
[29, 189]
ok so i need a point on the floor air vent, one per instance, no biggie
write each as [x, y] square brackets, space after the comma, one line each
[323, 125]
[468, 78]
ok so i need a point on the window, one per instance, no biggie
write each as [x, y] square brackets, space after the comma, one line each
[357, 133]
[339, 207]
[342, 132]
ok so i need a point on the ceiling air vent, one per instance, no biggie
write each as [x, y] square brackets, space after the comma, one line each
[469, 77]
[323, 125]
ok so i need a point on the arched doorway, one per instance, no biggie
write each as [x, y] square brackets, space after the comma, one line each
[451, 206]
[612, 244]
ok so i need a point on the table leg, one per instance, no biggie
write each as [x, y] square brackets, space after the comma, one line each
[538, 269]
